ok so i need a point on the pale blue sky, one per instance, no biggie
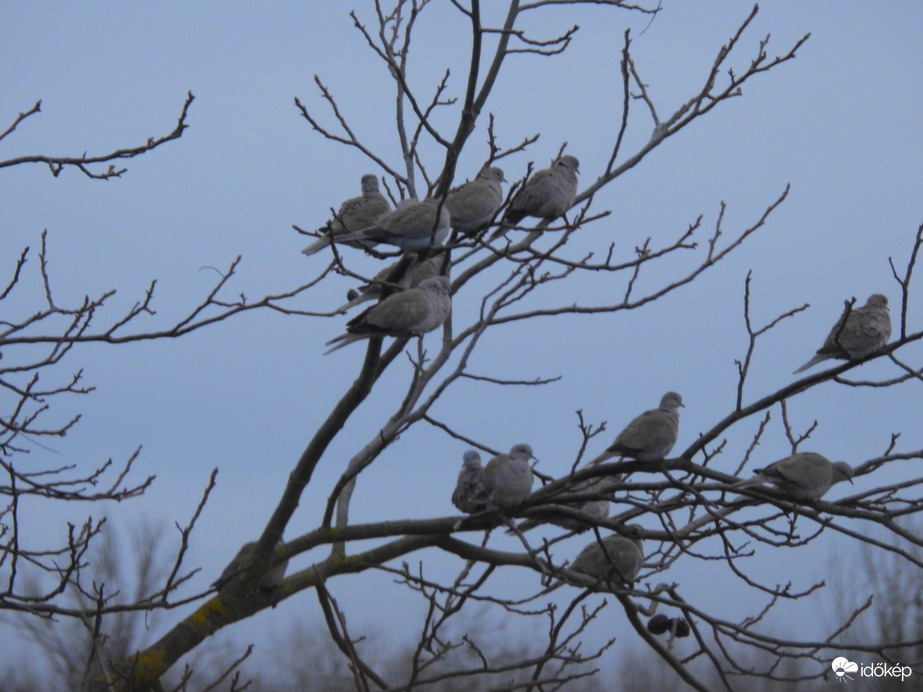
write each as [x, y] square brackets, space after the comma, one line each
[841, 123]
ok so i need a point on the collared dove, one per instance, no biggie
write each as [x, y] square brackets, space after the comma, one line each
[469, 493]
[547, 194]
[866, 330]
[473, 205]
[617, 559]
[650, 436]
[417, 270]
[595, 509]
[408, 313]
[412, 226]
[804, 476]
[507, 478]
[269, 581]
[354, 215]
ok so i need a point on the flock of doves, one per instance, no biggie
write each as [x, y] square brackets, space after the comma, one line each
[423, 303]
[506, 482]
[421, 227]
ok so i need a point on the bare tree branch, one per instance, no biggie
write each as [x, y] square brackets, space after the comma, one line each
[57, 163]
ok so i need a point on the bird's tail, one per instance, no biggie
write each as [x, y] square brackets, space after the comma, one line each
[750, 482]
[316, 246]
[340, 341]
[814, 361]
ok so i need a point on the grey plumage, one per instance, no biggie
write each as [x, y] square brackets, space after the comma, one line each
[354, 214]
[412, 226]
[804, 476]
[270, 580]
[617, 559]
[594, 508]
[547, 194]
[417, 270]
[413, 312]
[473, 205]
[507, 478]
[469, 495]
[650, 436]
[866, 330]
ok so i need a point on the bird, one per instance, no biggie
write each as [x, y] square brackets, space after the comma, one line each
[805, 476]
[547, 194]
[650, 436]
[865, 331]
[616, 559]
[270, 580]
[597, 509]
[473, 205]
[507, 478]
[417, 269]
[413, 312]
[469, 494]
[355, 214]
[594, 508]
[414, 225]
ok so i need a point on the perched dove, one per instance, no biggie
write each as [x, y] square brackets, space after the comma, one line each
[650, 436]
[355, 214]
[866, 330]
[469, 491]
[417, 270]
[408, 313]
[804, 476]
[596, 509]
[412, 226]
[507, 478]
[270, 580]
[473, 205]
[617, 559]
[548, 193]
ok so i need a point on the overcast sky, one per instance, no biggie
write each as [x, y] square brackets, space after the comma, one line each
[841, 124]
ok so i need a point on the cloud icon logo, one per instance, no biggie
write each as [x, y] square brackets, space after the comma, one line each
[841, 666]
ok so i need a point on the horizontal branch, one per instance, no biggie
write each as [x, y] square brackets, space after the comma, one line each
[58, 163]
